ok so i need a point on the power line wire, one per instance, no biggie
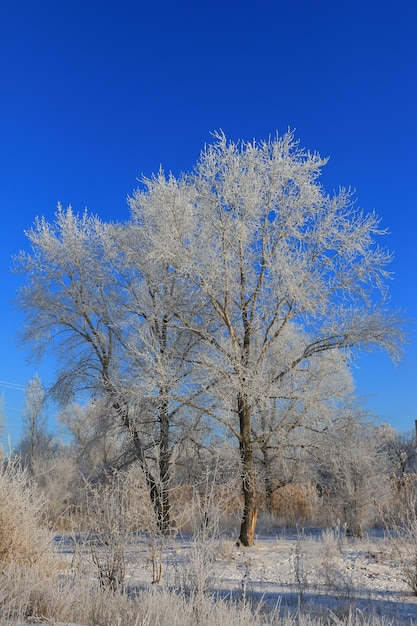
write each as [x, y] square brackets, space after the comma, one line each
[4, 383]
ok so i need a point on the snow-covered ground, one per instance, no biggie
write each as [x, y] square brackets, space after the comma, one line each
[308, 572]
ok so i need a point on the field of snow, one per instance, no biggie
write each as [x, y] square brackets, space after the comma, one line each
[310, 573]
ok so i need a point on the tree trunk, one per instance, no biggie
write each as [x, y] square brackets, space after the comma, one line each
[164, 423]
[151, 481]
[250, 496]
[269, 487]
[164, 469]
[157, 494]
[250, 511]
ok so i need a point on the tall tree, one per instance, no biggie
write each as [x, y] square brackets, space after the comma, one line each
[265, 252]
[94, 294]
[73, 305]
[158, 352]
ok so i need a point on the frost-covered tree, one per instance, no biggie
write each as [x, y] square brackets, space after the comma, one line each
[67, 301]
[96, 441]
[266, 251]
[159, 354]
[232, 293]
[401, 451]
[35, 438]
[73, 306]
[95, 297]
[354, 467]
[312, 402]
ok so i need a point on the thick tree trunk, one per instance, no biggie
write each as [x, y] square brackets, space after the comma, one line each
[250, 510]
[250, 496]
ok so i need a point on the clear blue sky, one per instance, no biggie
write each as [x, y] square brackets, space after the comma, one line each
[96, 93]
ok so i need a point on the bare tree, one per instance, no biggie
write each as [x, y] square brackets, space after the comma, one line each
[159, 354]
[311, 403]
[96, 297]
[267, 252]
[356, 471]
[35, 438]
[97, 440]
[224, 295]
[73, 305]
[401, 451]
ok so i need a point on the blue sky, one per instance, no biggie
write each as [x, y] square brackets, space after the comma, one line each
[95, 94]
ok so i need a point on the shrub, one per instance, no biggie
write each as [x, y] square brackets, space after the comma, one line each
[402, 534]
[58, 480]
[23, 540]
[296, 503]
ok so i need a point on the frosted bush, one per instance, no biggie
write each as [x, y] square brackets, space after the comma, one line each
[23, 540]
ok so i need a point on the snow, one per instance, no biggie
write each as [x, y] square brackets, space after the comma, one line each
[311, 572]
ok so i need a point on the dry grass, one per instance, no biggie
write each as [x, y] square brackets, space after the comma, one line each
[71, 601]
[38, 585]
[23, 540]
